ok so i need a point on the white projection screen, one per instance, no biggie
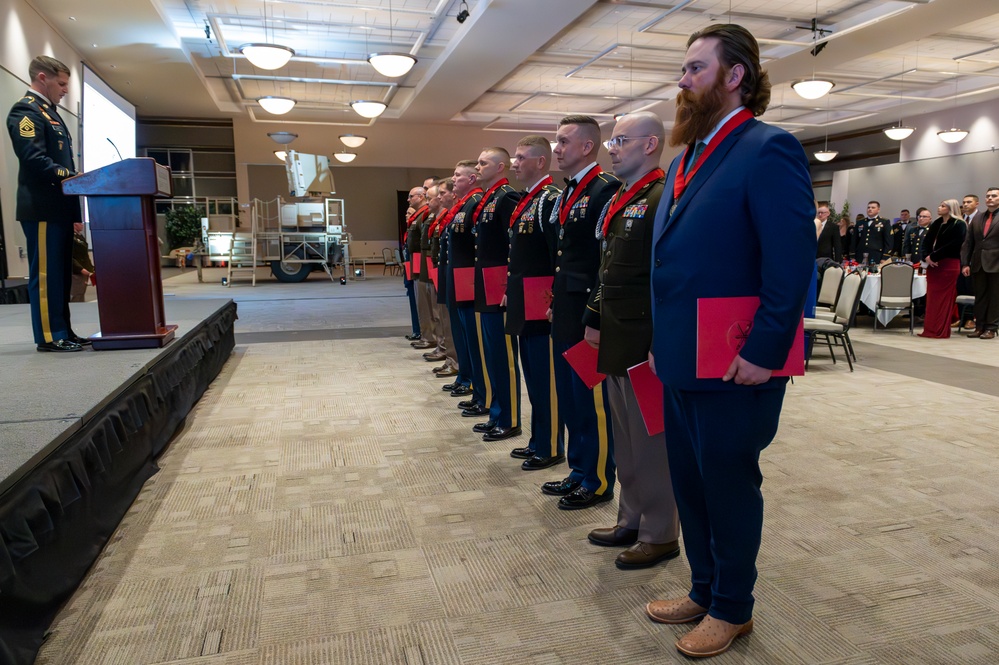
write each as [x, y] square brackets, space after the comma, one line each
[108, 122]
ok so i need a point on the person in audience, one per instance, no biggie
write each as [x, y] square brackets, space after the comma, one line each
[912, 250]
[872, 240]
[846, 231]
[942, 245]
[829, 235]
[980, 261]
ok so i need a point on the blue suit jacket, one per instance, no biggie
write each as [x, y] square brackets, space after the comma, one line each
[743, 227]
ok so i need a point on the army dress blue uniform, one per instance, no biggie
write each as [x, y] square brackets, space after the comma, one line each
[499, 350]
[532, 254]
[872, 237]
[44, 151]
[440, 248]
[577, 259]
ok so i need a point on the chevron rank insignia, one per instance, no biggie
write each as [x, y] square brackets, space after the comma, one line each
[27, 128]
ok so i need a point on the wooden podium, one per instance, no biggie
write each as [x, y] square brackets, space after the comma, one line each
[126, 251]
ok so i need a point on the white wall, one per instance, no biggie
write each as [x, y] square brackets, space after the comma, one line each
[23, 35]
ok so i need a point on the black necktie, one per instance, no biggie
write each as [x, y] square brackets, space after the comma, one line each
[570, 182]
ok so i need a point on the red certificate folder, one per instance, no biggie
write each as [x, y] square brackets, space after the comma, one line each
[723, 325]
[537, 297]
[583, 360]
[432, 271]
[494, 279]
[649, 393]
[464, 284]
[409, 270]
[416, 263]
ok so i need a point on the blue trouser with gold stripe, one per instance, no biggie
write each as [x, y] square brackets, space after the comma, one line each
[499, 352]
[464, 376]
[591, 443]
[547, 428]
[468, 328]
[50, 278]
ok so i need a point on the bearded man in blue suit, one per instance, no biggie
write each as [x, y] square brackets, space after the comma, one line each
[736, 220]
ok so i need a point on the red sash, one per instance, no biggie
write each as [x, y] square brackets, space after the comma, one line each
[681, 181]
[485, 197]
[524, 202]
[622, 198]
[563, 213]
[416, 215]
[458, 206]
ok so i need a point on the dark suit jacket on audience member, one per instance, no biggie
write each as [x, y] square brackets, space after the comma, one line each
[828, 246]
[980, 252]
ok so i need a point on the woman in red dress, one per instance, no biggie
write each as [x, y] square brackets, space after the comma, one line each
[942, 249]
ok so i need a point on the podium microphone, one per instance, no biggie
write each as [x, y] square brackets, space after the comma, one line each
[120, 158]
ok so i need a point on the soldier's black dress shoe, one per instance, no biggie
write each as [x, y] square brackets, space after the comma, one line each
[500, 433]
[467, 403]
[475, 411]
[450, 386]
[482, 428]
[461, 391]
[583, 498]
[413, 338]
[522, 453]
[535, 463]
[82, 341]
[559, 487]
[60, 346]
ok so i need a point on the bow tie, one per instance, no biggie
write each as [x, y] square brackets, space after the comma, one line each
[570, 182]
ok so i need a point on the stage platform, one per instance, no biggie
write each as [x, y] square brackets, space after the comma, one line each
[79, 435]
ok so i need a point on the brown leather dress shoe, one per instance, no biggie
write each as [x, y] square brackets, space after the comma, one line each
[988, 334]
[712, 637]
[677, 610]
[616, 536]
[646, 555]
[976, 333]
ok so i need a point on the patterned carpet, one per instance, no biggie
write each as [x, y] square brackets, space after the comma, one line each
[326, 504]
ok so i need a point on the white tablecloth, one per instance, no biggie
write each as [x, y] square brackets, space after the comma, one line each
[872, 289]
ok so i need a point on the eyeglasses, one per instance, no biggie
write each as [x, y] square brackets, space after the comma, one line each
[618, 141]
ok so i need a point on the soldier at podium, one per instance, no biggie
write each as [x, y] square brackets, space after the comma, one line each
[44, 151]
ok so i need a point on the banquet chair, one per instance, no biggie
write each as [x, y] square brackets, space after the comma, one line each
[837, 332]
[389, 260]
[832, 282]
[896, 291]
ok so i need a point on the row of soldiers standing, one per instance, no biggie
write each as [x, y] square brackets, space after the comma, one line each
[589, 247]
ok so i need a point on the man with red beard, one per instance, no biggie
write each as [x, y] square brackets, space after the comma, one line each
[754, 179]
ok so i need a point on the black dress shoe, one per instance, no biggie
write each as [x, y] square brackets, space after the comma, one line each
[461, 391]
[475, 411]
[559, 487]
[450, 386]
[522, 453]
[60, 346]
[583, 498]
[500, 433]
[413, 338]
[536, 463]
[615, 536]
[467, 403]
[82, 341]
[482, 428]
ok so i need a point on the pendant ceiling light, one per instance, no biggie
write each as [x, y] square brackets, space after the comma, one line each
[900, 131]
[392, 65]
[345, 156]
[368, 109]
[953, 135]
[814, 88]
[277, 105]
[267, 56]
[826, 155]
[284, 138]
[352, 140]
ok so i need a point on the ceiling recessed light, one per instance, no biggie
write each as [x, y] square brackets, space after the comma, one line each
[72, 18]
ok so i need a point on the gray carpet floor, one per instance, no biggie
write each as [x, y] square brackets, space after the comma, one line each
[326, 504]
